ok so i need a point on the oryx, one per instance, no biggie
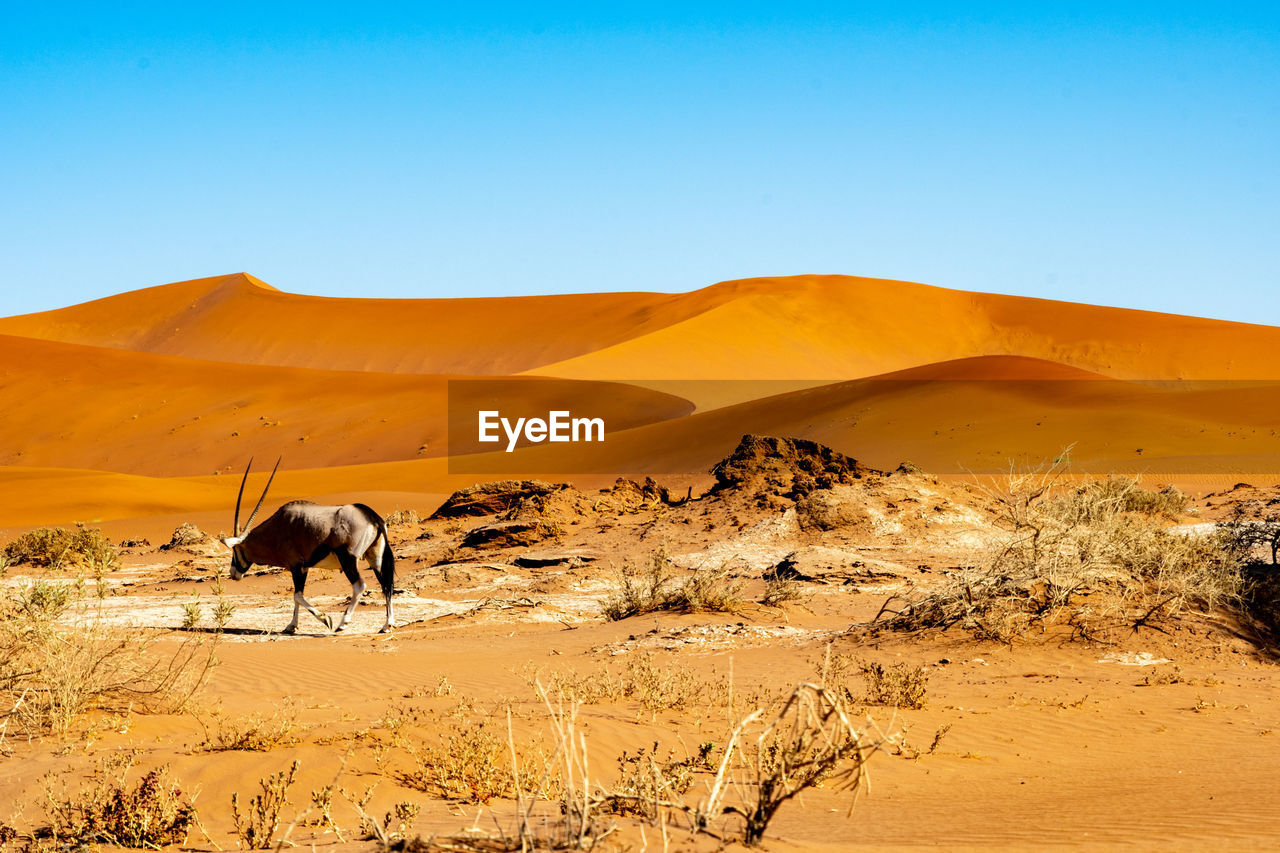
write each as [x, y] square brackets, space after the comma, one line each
[302, 534]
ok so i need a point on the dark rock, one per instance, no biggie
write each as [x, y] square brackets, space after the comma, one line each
[502, 534]
[543, 560]
[493, 498]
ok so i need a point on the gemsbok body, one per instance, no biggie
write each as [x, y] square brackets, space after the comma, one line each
[301, 535]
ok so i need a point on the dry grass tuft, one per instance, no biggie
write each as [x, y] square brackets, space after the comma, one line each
[780, 590]
[653, 587]
[898, 685]
[470, 765]
[657, 684]
[252, 733]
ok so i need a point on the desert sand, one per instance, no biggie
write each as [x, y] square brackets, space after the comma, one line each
[137, 413]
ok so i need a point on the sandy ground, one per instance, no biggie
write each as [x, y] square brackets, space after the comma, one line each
[1159, 740]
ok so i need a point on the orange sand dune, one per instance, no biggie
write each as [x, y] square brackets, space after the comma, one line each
[74, 406]
[795, 328]
[239, 318]
[838, 327]
[188, 379]
[968, 415]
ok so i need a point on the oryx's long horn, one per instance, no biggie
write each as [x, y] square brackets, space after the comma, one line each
[235, 525]
[254, 514]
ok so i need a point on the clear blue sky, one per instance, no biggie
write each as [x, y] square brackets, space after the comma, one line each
[1126, 156]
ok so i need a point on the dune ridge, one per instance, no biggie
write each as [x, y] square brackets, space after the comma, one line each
[798, 327]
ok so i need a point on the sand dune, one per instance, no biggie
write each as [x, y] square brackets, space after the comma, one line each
[793, 328]
[838, 327]
[966, 415]
[188, 379]
[76, 406]
[238, 318]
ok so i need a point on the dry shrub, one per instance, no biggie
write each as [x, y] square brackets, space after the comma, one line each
[646, 782]
[258, 826]
[658, 685]
[252, 733]
[1093, 558]
[152, 814]
[59, 548]
[810, 742]
[664, 686]
[59, 658]
[652, 587]
[779, 590]
[898, 685]
[470, 764]
[641, 589]
[707, 590]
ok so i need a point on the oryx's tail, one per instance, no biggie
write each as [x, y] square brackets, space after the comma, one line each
[386, 572]
[387, 577]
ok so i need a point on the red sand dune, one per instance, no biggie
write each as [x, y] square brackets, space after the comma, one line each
[188, 379]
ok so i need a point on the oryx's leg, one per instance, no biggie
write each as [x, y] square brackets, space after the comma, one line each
[351, 569]
[299, 574]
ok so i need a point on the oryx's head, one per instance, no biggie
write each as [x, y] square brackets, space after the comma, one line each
[240, 562]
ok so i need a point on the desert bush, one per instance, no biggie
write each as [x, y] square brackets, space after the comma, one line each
[191, 614]
[646, 783]
[808, 742]
[151, 814]
[663, 686]
[470, 764]
[779, 590]
[590, 688]
[652, 587]
[640, 589]
[1244, 535]
[258, 826]
[59, 658]
[657, 685]
[1096, 499]
[897, 685]
[707, 590]
[1092, 558]
[59, 548]
[252, 733]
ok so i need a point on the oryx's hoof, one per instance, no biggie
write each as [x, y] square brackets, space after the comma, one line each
[386, 629]
[290, 629]
[339, 629]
